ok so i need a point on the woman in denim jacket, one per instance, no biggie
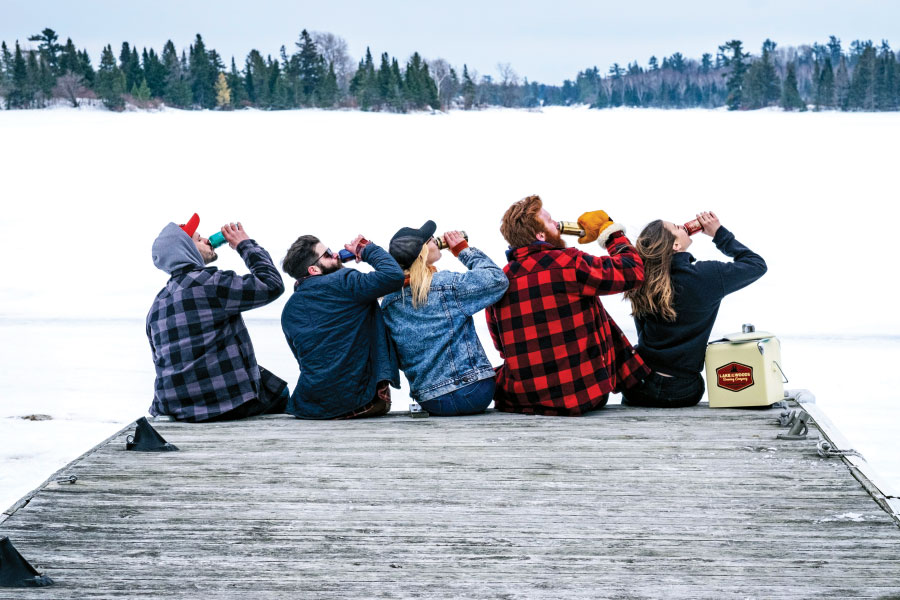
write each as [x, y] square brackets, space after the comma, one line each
[430, 321]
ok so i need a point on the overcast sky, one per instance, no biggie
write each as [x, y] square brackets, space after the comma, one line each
[546, 41]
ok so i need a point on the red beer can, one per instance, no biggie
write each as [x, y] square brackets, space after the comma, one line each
[692, 226]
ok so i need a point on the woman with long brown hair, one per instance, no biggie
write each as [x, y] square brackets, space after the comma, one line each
[676, 307]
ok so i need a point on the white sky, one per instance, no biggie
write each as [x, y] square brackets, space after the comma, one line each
[544, 41]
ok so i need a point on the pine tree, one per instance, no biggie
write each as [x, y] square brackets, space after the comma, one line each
[87, 70]
[834, 50]
[202, 75]
[842, 85]
[311, 67]
[48, 48]
[155, 73]
[110, 81]
[178, 90]
[141, 93]
[388, 88]
[735, 78]
[68, 59]
[363, 86]
[468, 89]
[790, 96]
[34, 79]
[20, 94]
[602, 98]
[886, 79]
[329, 90]
[6, 62]
[817, 82]
[223, 92]
[862, 85]
[131, 71]
[236, 85]
[761, 87]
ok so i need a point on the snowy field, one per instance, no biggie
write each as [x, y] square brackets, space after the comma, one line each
[85, 192]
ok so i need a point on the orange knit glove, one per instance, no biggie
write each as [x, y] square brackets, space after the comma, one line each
[593, 223]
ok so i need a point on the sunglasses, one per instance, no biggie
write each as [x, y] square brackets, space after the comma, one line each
[327, 254]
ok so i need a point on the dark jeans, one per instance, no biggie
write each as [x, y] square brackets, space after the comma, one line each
[665, 392]
[467, 400]
[273, 399]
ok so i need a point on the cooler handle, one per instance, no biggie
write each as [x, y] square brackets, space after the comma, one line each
[783, 376]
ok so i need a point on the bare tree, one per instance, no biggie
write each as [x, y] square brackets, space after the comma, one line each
[509, 82]
[71, 87]
[333, 49]
[443, 76]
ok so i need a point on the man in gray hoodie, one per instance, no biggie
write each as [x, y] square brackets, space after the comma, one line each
[205, 365]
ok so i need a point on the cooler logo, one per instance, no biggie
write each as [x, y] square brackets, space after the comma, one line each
[734, 376]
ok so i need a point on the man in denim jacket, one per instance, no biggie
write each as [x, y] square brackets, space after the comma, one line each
[335, 330]
[430, 321]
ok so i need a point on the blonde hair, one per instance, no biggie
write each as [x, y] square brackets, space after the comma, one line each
[654, 298]
[420, 278]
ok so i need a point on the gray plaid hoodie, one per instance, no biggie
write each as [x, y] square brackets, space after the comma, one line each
[205, 364]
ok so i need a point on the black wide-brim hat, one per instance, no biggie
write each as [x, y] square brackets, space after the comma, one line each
[406, 245]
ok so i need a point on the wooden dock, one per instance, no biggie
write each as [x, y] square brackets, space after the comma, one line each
[625, 503]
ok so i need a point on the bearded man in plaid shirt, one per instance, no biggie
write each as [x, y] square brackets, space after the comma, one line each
[205, 365]
[562, 353]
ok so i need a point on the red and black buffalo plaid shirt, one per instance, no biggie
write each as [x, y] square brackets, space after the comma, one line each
[562, 353]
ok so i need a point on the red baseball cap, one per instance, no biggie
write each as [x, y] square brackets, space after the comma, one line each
[191, 227]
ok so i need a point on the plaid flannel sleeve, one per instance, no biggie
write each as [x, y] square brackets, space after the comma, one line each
[490, 314]
[620, 271]
[262, 285]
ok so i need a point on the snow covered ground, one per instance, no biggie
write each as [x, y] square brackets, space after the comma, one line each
[84, 193]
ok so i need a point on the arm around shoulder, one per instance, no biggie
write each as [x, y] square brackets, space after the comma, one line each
[622, 270]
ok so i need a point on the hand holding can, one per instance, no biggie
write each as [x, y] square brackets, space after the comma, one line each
[450, 239]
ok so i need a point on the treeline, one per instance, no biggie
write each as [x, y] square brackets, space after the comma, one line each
[320, 73]
[821, 75]
[317, 74]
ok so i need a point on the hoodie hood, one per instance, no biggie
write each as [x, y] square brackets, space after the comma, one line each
[173, 249]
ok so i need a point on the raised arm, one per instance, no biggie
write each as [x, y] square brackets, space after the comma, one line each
[483, 284]
[262, 285]
[622, 270]
[386, 278]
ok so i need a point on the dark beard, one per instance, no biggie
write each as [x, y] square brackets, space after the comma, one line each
[212, 258]
[326, 270]
[552, 237]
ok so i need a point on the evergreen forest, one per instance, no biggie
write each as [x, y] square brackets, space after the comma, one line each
[317, 71]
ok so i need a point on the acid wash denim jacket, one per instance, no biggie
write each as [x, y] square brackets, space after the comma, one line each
[437, 345]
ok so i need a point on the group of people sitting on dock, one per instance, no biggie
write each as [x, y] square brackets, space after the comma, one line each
[352, 332]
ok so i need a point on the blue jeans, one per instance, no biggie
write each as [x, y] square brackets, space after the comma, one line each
[468, 400]
[665, 392]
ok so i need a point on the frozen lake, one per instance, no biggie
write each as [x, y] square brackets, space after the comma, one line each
[86, 191]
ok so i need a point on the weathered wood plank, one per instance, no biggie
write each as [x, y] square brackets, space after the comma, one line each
[627, 503]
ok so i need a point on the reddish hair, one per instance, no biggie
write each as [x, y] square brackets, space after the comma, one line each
[520, 224]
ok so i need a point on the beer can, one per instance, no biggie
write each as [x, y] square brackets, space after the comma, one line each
[692, 226]
[442, 245]
[570, 228]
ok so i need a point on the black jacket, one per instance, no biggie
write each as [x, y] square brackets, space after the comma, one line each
[679, 347]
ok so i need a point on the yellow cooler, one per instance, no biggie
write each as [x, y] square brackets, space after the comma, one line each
[744, 369]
